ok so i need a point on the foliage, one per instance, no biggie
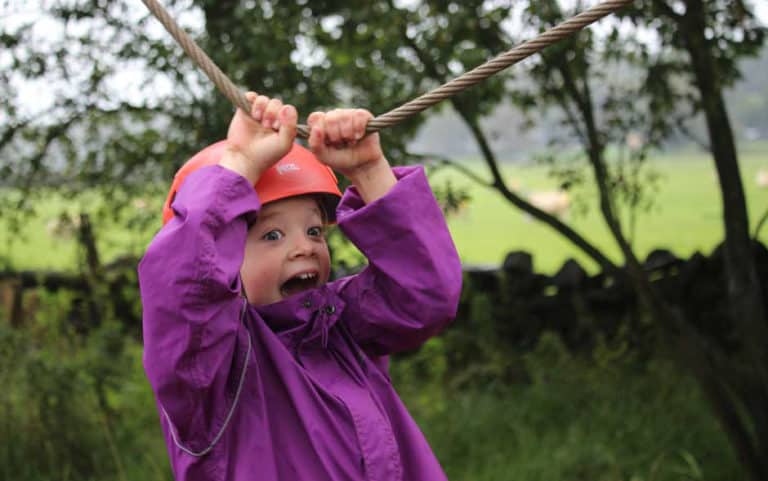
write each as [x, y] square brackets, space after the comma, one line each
[75, 406]
[92, 134]
[102, 120]
[604, 417]
[731, 29]
[707, 39]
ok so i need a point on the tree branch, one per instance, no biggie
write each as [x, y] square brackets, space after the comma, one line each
[680, 124]
[498, 184]
[595, 152]
[667, 10]
[444, 161]
[498, 180]
[760, 224]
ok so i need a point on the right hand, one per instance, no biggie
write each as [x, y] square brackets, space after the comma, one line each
[254, 146]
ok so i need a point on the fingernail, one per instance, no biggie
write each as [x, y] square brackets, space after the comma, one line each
[276, 125]
[257, 114]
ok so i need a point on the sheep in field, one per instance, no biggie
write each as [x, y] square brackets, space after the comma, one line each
[762, 178]
[553, 202]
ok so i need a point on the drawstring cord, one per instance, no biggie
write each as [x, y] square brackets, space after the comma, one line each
[242, 288]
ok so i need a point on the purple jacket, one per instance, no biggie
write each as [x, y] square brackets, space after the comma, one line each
[298, 390]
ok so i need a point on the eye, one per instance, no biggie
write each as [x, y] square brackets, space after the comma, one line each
[315, 231]
[272, 235]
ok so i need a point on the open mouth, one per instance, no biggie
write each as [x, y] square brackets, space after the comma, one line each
[299, 283]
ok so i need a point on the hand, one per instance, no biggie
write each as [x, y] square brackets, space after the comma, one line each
[255, 145]
[338, 139]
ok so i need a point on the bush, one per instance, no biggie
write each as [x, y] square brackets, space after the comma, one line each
[606, 417]
[76, 406]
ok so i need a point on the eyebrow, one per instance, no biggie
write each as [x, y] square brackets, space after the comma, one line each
[315, 209]
[266, 216]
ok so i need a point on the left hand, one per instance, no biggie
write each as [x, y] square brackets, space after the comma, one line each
[338, 139]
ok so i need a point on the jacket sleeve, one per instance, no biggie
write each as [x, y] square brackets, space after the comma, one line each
[410, 289]
[194, 344]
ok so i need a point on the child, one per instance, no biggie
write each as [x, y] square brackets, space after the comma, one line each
[262, 369]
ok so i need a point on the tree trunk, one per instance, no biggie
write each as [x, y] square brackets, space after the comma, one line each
[743, 283]
[746, 306]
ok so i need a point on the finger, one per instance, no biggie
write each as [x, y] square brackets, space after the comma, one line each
[361, 118]
[244, 115]
[312, 120]
[270, 114]
[287, 117]
[333, 128]
[259, 106]
[314, 117]
[317, 134]
[347, 126]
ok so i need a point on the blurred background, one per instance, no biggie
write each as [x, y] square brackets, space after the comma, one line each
[607, 197]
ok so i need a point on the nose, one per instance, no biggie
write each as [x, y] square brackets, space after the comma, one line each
[301, 247]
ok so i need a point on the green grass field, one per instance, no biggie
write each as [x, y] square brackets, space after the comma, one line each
[685, 218]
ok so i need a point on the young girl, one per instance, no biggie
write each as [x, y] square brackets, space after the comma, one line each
[261, 368]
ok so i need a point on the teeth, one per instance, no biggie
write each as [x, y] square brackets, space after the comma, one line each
[307, 276]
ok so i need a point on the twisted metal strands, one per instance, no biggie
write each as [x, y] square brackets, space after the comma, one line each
[395, 116]
[496, 64]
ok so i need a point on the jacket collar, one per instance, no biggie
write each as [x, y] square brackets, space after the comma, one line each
[303, 320]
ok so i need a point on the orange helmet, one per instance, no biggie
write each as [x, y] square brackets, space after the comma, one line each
[297, 173]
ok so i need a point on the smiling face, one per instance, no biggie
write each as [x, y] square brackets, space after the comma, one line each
[285, 252]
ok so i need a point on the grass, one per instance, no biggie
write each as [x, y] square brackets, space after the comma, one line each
[577, 420]
[593, 419]
[540, 433]
[686, 217]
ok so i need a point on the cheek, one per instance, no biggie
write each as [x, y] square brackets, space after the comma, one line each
[325, 261]
[260, 281]
[254, 277]
[250, 254]
[258, 271]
